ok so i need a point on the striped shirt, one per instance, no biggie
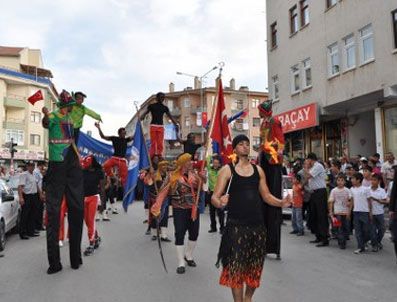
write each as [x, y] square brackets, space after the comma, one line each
[317, 181]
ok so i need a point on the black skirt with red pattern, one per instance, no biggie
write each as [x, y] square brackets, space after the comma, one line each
[242, 254]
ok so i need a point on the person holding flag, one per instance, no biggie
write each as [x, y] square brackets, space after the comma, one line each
[78, 113]
[119, 155]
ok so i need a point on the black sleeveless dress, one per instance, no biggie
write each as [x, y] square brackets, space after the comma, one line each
[242, 251]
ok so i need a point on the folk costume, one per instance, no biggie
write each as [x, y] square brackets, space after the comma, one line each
[182, 190]
[64, 177]
[77, 116]
[270, 159]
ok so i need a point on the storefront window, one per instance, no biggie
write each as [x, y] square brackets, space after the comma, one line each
[298, 144]
[391, 129]
[316, 145]
[333, 141]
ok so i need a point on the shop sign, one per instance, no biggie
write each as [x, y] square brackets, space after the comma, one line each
[299, 118]
[22, 155]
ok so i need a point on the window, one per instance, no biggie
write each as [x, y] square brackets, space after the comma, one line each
[304, 5]
[331, 3]
[186, 103]
[275, 87]
[366, 44]
[333, 59]
[170, 105]
[295, 81]
[240, 104]
[293, 17]
[349, 52]
[256, 122]
[307, 72]
[187, 121]
[394, 15]
[35, 117]
[255, 103]
[256, 140]
[273, 30]
[35, 139]
[17, 135]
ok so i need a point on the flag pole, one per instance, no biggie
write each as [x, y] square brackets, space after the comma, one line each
[196, 203]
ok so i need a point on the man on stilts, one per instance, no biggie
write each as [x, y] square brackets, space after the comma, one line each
[270, 159]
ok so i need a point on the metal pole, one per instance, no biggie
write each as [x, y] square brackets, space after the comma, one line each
[12, 157]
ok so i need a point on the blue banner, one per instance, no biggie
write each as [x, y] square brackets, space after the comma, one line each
[88, 145]
[138, 160]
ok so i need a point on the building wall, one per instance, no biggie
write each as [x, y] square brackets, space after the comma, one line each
[362, 134]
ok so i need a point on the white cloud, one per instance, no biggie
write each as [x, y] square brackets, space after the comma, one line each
[118, 51]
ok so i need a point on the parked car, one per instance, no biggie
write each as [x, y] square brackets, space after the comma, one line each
[287, 189]
[10, 212]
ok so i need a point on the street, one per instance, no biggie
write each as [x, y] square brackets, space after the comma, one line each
[127, 267]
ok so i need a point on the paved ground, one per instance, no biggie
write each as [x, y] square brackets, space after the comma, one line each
[127, 267]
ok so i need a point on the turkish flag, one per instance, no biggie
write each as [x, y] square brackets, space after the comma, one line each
[220, 129]
[38, 96]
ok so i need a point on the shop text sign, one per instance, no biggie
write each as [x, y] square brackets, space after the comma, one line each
[299, 118]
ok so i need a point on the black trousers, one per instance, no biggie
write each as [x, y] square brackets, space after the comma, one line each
[319, 224]
[65, 178]
[215, 211]
[272, 215]
[28, 214]
[76, 135]
[182, 223]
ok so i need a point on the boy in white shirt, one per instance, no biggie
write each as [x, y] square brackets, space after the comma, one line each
[378, 198]
[339, 205]
[361, 212]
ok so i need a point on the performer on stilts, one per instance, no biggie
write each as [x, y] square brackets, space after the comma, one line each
[159, 177]
[119, 156]
[271, 159]
[64, 177]
[243, 246]
[78, 113]
[182, 187]
[157, 111]
[94, 181]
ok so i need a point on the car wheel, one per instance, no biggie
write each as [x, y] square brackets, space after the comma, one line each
[15, 230]
[2, 236]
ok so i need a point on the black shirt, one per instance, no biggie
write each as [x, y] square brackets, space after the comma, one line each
[91, 181]
[190, 148]
[119, 145]
[157, 110]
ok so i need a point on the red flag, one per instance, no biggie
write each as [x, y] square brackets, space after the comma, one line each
[38, 96]
[220, 129]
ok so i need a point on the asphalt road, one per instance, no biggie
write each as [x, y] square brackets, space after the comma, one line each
[127, 267]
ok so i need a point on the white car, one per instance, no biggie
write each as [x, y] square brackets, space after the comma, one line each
[287, 189]
[10, 212]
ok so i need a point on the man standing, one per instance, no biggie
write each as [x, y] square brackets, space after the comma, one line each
[387, 169]
[28, 198]
[157, 110]
[78, 113]
[64, 177]
[318, 200]
[213, 168]
[270, 160]
[119, 155]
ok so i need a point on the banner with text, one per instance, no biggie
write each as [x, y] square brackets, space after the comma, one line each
[299, 118]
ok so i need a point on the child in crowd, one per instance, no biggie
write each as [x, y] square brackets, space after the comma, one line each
[361, 212]
[367, 173]
[378, 199]
[339, 205]
[297, 203]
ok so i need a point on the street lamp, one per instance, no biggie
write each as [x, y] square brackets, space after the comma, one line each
[201, 90]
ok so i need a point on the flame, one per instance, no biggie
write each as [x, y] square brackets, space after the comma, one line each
[268, 148]
[233, 157]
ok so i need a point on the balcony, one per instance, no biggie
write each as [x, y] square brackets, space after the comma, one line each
[16, 124]
[15, 101]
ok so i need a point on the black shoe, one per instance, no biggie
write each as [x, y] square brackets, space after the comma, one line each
[190, 263]
[75, 266]
[322, 244]
[148, 232]
[89, 250]
[24, 237]
[180, 270]
[145, 221]
[54, 269]
[300, 234]
[97, 242]
[34, 235]
[342, 247]
[315, 241]
[212, 231]
[166, 239]
[294, 232]
[154, 238]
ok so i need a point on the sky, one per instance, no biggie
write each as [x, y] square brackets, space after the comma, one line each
[122, 51]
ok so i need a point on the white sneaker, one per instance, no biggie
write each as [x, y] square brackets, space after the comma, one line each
[60, 243]
[105, 216]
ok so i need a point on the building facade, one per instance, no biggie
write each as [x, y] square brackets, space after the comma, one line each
[338, 60]
[192, 107]
[21, 75]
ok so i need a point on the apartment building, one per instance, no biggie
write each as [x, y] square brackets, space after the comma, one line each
[21, 75]
[192, 107]
[333, 75]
